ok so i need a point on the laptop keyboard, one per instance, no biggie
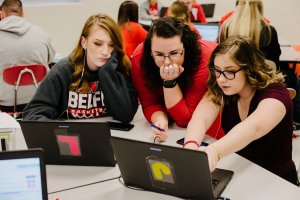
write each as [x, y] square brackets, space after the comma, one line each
[215, 182]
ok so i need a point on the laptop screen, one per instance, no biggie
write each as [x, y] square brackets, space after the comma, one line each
[208, 32]
[21, 179]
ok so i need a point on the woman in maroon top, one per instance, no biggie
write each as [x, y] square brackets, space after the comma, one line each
[257, 110]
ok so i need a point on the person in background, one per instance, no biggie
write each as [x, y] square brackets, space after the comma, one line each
[21, 43]
[244, 87]
[133, 33]
[150, 9]
[180, 11]
[196, 11]
[248, 20]
[169, 72]
[227, 15]
[93, 81]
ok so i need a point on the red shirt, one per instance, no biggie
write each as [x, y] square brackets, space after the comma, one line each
[153, 10]
[133, 34]
[197, 13]
[182, 112]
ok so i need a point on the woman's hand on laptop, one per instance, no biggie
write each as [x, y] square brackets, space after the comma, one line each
[159, 130]
[212, 156]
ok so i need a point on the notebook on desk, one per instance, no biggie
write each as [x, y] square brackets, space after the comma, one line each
[208, 32]
[23, 175]
[170, 170]
[70, 143]
[208, 9]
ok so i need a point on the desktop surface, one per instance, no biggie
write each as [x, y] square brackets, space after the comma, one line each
[249, 182]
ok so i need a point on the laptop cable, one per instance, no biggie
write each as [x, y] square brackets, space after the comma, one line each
[110, 179]
[130, 187]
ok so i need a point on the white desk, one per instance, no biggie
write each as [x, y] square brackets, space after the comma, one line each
[249, 181]
[289, 54]
[145, 22]
[214, 19]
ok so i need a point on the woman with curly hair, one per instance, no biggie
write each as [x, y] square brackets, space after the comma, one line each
[257, 110]
[169, 72]
[93, 81]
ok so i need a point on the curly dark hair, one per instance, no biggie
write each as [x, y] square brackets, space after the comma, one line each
[168, 27]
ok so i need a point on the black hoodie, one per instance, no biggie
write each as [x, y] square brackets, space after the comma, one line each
[112, 94]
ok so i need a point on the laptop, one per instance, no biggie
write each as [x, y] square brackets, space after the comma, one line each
[170, 170]
[23, 175]
[70, 143]
[208, 32]
[208, 9]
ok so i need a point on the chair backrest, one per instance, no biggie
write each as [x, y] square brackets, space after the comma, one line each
[292, 92]
[11, 74]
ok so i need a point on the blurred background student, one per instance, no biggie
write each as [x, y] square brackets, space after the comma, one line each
[21, 43]
[133, 33]
[227, 15]
[179, 10]
[247, 19]
[196, 11]
[94, 81]
[150, 9]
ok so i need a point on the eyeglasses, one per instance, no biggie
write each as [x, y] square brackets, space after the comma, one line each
[159, 57]
[230, 75]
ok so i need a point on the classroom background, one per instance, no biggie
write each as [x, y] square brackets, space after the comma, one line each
[64, 22]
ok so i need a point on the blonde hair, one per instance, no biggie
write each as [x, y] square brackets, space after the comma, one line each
[179, 10]
[247, 20]
[77, 56]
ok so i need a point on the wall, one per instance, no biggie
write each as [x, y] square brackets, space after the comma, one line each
[64, 22]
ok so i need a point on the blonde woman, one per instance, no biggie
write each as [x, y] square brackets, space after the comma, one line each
[247, 20]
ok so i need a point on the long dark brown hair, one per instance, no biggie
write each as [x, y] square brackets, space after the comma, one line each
[128, 12]
[168, 27]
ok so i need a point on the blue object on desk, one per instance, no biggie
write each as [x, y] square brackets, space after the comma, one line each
[157, 128]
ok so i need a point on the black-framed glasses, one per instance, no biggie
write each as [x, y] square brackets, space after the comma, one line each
[230, 74]
[159, 57]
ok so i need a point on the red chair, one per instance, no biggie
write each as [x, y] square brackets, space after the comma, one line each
[23, 75]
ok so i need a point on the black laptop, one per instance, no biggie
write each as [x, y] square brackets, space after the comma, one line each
[70, 143]
[208, 9]
[170, 170]
[23, 175]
